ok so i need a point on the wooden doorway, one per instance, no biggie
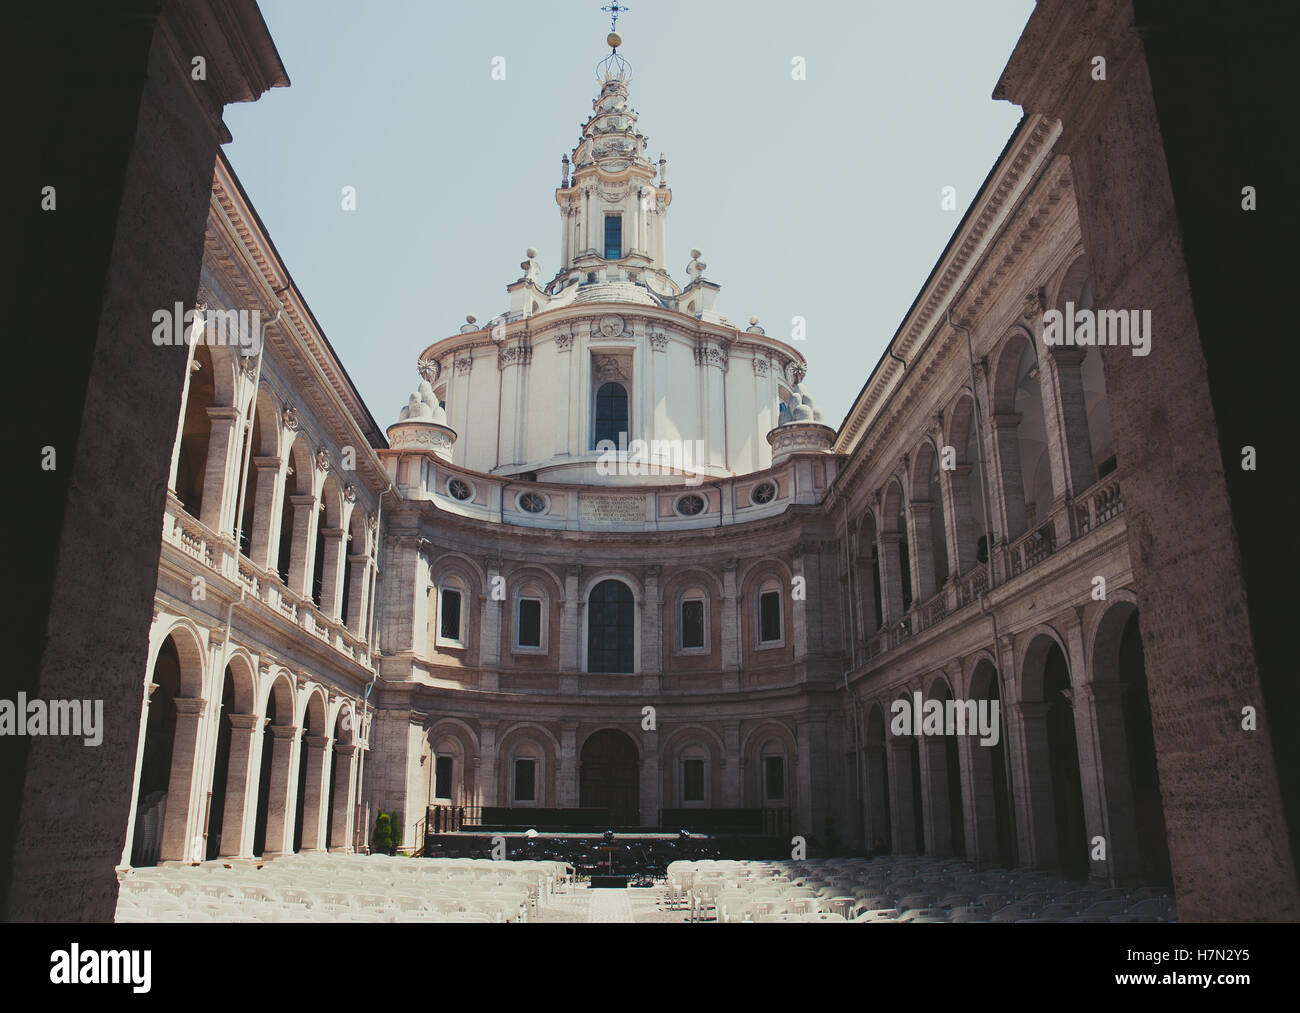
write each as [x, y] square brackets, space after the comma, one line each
[610, 777]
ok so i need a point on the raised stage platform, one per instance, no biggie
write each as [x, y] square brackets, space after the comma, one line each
[642, 856]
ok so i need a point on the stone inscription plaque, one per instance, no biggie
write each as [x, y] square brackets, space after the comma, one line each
[611, 511]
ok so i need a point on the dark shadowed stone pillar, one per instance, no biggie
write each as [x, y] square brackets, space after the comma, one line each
[903, 817]
[128, 138]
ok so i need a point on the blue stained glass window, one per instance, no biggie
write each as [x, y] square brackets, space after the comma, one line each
[611, 412]
[611, 613]
[613, 237]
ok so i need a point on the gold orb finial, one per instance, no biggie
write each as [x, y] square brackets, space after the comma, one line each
[614, 39]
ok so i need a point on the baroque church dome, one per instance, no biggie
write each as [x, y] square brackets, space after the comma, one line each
[613, 356]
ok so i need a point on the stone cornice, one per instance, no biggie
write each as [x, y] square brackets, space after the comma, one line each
[584, 318]
[240, 218]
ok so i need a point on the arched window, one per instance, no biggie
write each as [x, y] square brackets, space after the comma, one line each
[770, 624]
[611, 413]
[693, 773]
[530, 619]
[773, 773]
[693, 621]
[445, 776]
[611, 638]
[451, 622]
[526, 774]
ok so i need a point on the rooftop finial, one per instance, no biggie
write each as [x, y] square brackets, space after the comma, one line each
[613, 66]
[614, 10]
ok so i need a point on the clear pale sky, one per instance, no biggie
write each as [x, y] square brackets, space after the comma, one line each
[817, 198]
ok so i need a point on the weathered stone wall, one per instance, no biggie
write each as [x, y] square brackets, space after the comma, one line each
[1228, 838]
[125, 240]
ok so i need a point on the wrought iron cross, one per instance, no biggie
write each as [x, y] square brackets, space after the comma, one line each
[614, 10]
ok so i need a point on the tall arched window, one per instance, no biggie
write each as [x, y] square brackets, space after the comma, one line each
[611, 412]
[611, 637]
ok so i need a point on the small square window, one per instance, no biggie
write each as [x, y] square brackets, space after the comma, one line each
[530, 622]
[769, 617]
[449, 623]
[525, 781]
[692, 623]
[692, 780]
[774, 776]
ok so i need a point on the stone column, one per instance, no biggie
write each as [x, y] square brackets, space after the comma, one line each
[934, 796]
[268, 492]
[1035, 812]
[345, 764]
[240, 804]
[331, 592]
[810, 777]
[177, 831]
[1006, 476]
[964, 515]
[1088, 747]
[797, 635]
[732, 788]
[486, 769]
[891, 577]
[921, 533]
[979, 817]
[1102, 704]
[570, 623]
[651, 778]
[651, 632]
[731, 625]
[358, 594]
[489, 648]
[712, 363]
[280, 809]
[315, 753]
[902, 817]
[302, 551]
[220, 475]
[1078, 471]
[566, 767]
[180, 421]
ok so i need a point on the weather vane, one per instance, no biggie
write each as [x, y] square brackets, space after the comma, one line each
[614, 10]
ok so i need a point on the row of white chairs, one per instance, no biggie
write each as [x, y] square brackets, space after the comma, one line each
[901, 889]
[341, 888]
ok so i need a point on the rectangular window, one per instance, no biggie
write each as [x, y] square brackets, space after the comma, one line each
[442, 777]
[692, 780]
[774, 775]
[769, 617]
[525, 781]
[449, 628]
[613, 237]
[692, 623]
[530, 622]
